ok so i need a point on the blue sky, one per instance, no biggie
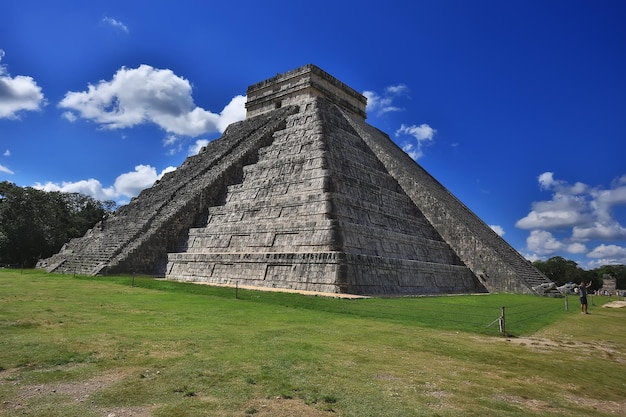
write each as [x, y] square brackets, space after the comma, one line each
[517, 107]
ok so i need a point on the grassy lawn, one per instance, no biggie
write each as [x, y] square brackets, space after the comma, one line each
[99, 346]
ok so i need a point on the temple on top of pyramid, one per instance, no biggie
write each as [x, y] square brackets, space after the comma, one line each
[303, 195]
[302, 83]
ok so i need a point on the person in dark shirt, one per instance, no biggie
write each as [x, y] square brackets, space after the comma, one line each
[582, 293]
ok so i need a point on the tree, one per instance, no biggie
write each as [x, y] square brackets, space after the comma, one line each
[560, 270]
[35, 224]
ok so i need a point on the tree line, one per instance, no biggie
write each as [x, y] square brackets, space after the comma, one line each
[34, 224]
[561, 271]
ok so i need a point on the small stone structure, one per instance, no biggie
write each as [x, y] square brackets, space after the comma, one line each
[303, 195]
[609, 285]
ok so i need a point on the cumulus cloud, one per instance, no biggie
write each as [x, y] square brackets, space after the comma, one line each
[576, 248]
[543, 242]
[149, 95]
[126, 185]
[422, 135]
[19, 93]
[578, 214]
[606, 230]
[587, 210]
[608, 254]
[233, 112]
[562, 211]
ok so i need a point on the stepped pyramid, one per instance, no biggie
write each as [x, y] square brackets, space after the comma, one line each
[303, 195]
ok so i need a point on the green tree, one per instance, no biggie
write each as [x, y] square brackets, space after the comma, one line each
[560, 270]
[35, 224]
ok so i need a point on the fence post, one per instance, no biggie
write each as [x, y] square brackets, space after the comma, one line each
[502, 323]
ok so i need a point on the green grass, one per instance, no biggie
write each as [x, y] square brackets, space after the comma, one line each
[176, 349]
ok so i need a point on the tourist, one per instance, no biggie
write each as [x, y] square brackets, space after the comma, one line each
[582, 293]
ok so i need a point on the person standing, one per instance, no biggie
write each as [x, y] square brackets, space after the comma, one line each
[582, 293]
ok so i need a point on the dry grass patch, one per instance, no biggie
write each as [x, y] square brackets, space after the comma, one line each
[286, 407]
[31, 399]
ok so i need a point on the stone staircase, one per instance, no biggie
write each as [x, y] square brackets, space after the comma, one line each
[137, 236]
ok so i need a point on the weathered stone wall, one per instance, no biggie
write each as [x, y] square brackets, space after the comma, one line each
[301, 84]
[136, 238]
[319, 212]
[497, 265]
[377, 275]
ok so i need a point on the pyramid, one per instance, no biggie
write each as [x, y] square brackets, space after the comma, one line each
[304, 195]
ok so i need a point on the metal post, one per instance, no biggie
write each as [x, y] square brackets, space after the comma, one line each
[566, 303]
[502, 323]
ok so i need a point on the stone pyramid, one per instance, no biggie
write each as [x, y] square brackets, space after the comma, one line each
[303, 195]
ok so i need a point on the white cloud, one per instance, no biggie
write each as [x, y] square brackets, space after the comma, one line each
[170, 140]
[422, 132]
[384, 104]
[131, 183]
[233, 112]
[197, 146]
[580, 214]
[545, 215]
[570, 206]
[532, 257]
[69, 116]
[498, 229]
[587, 210]
[2, 167]
[150, 95]
[610, 230]
[413, 151]
[380, 104]
[607, 255]
[397, 90]
[543, 243]
[5, 170]
[576, 248]
[608, 251]
[91, 187]
[126, 185]
[115, 23]
[19, 93]
[606, 200]
[423, 135]
[546, 180]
